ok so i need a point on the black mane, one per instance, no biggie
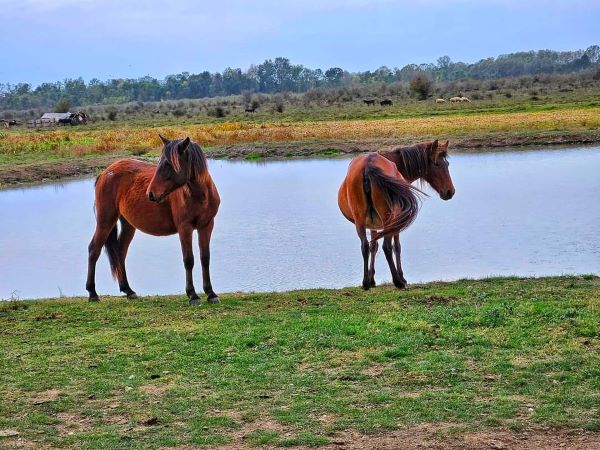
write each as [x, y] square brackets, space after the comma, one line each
[196, 160]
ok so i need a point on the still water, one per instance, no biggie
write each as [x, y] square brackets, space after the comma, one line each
[514, 213]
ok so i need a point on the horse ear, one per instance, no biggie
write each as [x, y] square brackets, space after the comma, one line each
[184, 144]
[163, 139]
[434, 151]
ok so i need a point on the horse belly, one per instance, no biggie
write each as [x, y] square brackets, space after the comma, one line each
[151, 218]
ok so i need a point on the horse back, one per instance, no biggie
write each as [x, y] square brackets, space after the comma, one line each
[360, 200]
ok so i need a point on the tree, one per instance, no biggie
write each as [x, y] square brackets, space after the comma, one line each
[421, 86]
[62, 106]
[334, 76]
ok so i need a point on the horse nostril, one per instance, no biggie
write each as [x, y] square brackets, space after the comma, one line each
[151, 196]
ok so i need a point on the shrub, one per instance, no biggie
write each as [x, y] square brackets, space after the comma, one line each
[217, 111]
[278, 100]
[178, 112]
[111, 113]
[246, 97]
[62, 106]
[421, 86]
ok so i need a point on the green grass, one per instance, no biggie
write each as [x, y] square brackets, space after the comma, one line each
[296, 368]
[253, 156]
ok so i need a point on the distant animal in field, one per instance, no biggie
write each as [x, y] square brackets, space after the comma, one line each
[386, 102]
[250, 109]
[176, 196]
[77, 118]
[7, 123]
[455, 99]
[377, 195]
[440, 100]
[465, 99]
[369, 102]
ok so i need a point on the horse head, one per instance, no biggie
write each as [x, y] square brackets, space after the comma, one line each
[438, 173]
[173, 169]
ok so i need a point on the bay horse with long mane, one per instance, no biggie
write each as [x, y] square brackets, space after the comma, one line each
[377, 195]
[176, 196]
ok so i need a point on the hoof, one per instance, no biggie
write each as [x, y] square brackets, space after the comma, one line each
[366, 286]
[401, 285]
[194, 302]
[214, 300]
[373, 284]
[94, 298]
[132, 296]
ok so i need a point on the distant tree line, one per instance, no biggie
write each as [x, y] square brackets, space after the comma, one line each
[280, 75]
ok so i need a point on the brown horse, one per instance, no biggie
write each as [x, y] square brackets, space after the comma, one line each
[176, 196]
[377, 195]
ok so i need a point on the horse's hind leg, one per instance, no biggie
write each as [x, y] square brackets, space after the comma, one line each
[125, 237]
[373, 247]
[388, 251]
[364, 248]
[397, 250]
[204, 243]
[103, 229]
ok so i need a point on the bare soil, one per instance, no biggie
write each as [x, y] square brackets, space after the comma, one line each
[443, 436]
[431, 436]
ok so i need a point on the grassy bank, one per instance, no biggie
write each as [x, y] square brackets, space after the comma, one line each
[309, 368]
[27, 155]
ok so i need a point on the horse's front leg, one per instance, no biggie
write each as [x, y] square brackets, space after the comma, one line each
[185, 237]
[204, 235]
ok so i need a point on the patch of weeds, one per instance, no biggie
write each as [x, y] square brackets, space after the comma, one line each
[253, 156]
[329, 152]
[263, 437]
[304, 438]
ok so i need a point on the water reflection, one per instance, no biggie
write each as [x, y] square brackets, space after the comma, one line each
[279, 228]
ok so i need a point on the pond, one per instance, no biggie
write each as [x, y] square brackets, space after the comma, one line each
[514, 213]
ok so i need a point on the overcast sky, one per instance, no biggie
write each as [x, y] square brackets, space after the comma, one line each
[49, 40]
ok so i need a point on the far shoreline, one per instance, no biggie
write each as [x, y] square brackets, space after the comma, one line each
[17, 175]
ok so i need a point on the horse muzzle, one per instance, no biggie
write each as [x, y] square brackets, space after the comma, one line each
[447, 195]
[155, 198]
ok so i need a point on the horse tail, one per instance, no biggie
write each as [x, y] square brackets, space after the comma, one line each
[399, 195]
[112, 251]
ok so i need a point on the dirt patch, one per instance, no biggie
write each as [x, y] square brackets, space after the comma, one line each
[433, 300]
[72, 423]
[8, 433]
[155, 390]
[55, 170]
[239, 437]
[116, 419]
[374, 371]
[305, 149]
[430, 436]
[19, 442]
[46, 397]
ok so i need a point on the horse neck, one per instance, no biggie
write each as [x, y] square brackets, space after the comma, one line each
[406, 163]
[197, 185]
